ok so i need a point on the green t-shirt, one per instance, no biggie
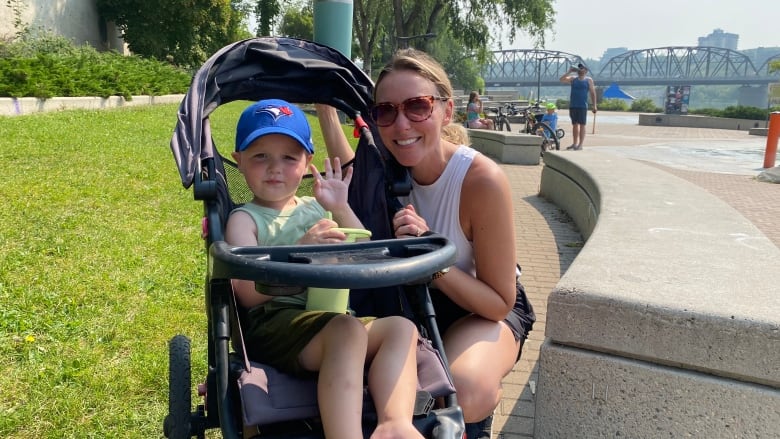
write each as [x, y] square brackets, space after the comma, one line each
[285, 227]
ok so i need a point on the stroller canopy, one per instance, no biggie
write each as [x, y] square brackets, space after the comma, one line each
[260, 68]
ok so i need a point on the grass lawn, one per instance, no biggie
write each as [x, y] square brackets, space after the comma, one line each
[101, 263]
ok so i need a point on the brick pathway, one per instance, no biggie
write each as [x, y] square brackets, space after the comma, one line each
[548, 242]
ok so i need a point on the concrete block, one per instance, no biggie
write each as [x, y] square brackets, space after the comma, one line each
[586, 394]
[697, 121]
[698, 300]
[506, 147]
[700, 285]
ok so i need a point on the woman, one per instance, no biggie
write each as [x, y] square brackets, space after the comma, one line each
[473, 112]
[481, 309]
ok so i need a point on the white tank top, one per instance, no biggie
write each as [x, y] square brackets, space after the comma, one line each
[439, 204]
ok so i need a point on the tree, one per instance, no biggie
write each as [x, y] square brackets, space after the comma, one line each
[460, 26]
[184, 32]
[466, 25]
[367, 19]
[298, 23]
[266, 12]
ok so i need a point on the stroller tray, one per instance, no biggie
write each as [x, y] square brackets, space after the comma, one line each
[371, 264]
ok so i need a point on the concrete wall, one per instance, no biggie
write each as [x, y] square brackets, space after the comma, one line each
[506, 147]
[22, 106]
[666, 324]
[695, 121]
[77, 20]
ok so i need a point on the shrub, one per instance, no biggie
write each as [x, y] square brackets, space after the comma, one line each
[645, 105]
[713, 112]
[53, 66]
[736, 112]
[613, 105]
[742, 112]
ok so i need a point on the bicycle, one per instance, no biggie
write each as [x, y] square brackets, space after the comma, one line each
[550, 138]
[537, 113]
[502, 116]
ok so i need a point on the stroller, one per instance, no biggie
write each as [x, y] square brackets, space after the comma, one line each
[386, 276]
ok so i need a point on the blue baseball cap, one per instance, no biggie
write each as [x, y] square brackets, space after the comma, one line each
[273, 116]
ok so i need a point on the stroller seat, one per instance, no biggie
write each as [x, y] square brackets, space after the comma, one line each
[269, 396]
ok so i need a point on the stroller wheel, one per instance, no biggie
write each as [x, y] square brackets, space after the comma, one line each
[177, 422]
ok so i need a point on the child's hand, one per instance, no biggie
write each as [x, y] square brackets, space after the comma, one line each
[323, 232]
[330, 190]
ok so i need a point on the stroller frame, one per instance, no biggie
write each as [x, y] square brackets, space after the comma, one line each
[302, 72]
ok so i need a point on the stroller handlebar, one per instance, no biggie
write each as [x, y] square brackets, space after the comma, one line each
[369, 264]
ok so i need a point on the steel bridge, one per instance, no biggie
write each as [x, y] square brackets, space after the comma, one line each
[657, 66]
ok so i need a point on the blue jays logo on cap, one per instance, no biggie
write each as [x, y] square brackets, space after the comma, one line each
[273, 116]
[276, 112]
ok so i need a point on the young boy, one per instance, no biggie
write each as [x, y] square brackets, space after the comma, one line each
[273, 152]
[551, 117]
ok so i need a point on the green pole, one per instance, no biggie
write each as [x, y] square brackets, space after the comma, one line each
[333, 24]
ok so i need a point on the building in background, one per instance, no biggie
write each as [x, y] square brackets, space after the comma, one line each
[77, 20]
[612, 52]
[721, 39]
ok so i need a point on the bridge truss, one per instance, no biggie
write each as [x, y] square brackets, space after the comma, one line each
[511, 68]
[657, 66]
[682, 65]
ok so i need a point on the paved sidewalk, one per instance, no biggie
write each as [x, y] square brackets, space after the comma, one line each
[548, 242]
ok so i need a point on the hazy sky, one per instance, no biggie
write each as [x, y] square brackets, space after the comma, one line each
[587, 28]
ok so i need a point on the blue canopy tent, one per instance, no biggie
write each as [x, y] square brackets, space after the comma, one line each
[614, 92]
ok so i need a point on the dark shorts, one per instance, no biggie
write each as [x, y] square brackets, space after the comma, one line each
[578, 116]
[276, 335]
[520, 320]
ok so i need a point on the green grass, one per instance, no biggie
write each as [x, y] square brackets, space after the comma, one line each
[101, 263]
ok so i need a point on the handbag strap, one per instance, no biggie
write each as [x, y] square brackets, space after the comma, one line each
[247, 365]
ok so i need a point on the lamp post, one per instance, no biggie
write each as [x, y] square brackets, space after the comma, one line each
[403, 42]
[539, 78]
[539, 73]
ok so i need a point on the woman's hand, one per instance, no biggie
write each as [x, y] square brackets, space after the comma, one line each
[407, 223]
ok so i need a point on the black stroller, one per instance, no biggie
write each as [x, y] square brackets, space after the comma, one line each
[387, 276]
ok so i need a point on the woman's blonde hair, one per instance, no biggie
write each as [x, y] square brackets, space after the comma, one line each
[421, 63]
[456, 133]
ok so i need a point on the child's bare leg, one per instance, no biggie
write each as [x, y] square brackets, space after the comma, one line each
[338, 351]
[392, 376]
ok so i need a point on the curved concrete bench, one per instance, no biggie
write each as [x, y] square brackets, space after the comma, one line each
[667, 324]
[507, 147]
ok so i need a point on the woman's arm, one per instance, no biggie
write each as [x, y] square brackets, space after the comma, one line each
[335, 141]
[487, 220]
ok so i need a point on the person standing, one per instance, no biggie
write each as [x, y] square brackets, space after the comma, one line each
[581, 87]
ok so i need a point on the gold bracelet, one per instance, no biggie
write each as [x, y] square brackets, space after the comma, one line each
[441, 273]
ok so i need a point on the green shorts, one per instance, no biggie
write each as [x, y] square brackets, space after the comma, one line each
[275, 334]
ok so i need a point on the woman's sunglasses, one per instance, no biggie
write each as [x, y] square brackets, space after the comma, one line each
[415, 109]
